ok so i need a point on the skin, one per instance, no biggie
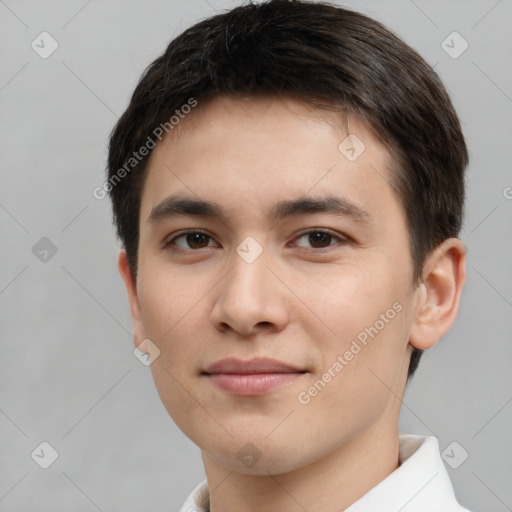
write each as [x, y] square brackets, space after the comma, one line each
[301, 301]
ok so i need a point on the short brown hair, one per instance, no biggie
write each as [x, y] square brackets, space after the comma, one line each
[329, 57]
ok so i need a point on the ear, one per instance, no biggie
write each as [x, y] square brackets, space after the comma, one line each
[139, 335]
[444, 275]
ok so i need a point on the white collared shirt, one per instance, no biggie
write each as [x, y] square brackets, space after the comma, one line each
[420, 484]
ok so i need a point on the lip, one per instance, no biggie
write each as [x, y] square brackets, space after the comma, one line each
[251, 378]
[253, 366]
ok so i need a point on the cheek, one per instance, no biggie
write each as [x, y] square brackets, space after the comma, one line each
[168, 298]
[172, 309]
[360, 376]
[350, 299]
[172, 312]
[365, 312]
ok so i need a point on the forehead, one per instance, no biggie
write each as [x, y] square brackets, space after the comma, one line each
[250, 153]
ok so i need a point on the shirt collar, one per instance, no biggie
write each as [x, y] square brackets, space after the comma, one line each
[420, 484]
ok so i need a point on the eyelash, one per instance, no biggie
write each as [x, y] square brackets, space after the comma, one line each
[167, 245]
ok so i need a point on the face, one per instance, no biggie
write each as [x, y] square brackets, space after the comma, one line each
[299, 275]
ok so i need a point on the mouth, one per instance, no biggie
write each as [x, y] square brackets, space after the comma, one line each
[251, 378]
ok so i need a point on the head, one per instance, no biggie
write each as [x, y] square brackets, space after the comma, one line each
[265, 104]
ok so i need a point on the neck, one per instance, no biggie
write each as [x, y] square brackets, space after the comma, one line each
[329, 484]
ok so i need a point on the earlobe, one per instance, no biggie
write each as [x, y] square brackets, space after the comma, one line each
[133, 299]
[439, 294]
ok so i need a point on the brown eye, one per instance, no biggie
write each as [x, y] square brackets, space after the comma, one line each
[319, 239]
[197, 240]
[189, 240]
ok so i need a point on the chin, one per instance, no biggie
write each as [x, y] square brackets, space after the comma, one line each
[257, 455]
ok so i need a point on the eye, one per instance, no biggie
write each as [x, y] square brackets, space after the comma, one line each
[196, 239]
[320, 239]
[193, 239]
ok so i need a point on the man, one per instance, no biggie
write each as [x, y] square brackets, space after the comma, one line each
[288, 186]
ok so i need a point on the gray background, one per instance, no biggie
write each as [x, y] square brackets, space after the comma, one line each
[68, 375]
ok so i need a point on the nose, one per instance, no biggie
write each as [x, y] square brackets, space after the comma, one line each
[250, 298]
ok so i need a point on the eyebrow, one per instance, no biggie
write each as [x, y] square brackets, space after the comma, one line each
[339, 206]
